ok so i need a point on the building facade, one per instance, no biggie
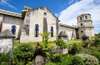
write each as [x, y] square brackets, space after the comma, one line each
[36, 22]
[30, 26]
[85, 25]
[10, 21]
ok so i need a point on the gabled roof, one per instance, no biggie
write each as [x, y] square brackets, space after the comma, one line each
[26, 7]
[9, 13]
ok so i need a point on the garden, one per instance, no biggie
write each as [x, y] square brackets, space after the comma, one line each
[79, 52]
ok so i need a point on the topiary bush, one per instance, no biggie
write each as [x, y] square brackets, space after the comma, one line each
[88, 59]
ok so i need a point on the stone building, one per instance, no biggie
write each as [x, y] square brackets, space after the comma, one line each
[36, 22]
[10, 21]
[67, 32]
[85, 25]
[29, 26]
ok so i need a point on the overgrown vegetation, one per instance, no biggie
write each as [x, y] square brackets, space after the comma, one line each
[23, 54]
[79, 52]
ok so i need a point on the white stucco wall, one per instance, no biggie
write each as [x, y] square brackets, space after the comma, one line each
[9, 21]
[68, 31]
[89, 32]
[1, 18]
[36, 17]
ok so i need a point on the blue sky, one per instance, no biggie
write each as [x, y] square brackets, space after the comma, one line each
[12, 5]
[66, 10]
[56, 6]
[69, 14]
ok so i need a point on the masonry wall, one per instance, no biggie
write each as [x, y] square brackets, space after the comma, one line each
[36, 17]
[69, 31]
[9, 21]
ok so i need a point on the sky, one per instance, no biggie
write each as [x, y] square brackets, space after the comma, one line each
[66, 10]
[69, 14]
[12, 5]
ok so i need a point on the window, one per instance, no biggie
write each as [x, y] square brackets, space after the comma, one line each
[81, 24]
[80, 18]
[81, 31]
[36, 30]
[13, 29]
[52, 31]
[45, 13]
[85, 17]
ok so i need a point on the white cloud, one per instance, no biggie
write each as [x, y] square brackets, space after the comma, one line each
[69, 14]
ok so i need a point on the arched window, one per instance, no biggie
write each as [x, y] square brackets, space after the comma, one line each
[52, 31]
[13, 29]
[36, 30]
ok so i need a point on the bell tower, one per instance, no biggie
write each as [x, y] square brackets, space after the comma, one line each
[85, 25]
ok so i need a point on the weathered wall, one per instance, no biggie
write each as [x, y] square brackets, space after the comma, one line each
[69, 31]
[9, 21]
[36, 17]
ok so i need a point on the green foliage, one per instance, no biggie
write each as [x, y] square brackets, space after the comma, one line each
[29, 63]
[95, 51]
[96, 54]
[88, 59]
[66, 60]
[4, 58]
[60, 60]
[77, 61]
[50, 63]
[23, 53]
[77, 43]
[97, 40]
[60, 43]
[55, 58]
[97, 35]
[45, 39]
[74, 46]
